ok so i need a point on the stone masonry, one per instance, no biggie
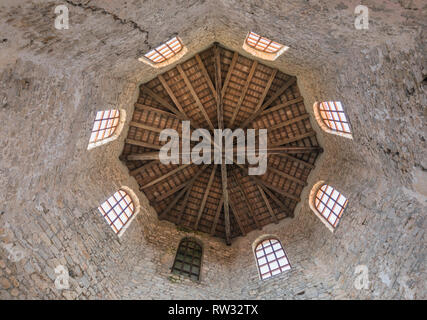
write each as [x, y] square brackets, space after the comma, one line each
[52, 82]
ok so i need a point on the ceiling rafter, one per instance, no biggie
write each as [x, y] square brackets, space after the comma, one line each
[184, 204]
[163, 102]
[286, 175]
[279, 150]
[229, 73]
[267, 203]
[220, 119]
[280, 106]
[143, 156]
[217, 213]
[143, 144]
[194, 95]
[260, 107]
[145, 126]
[205, 197]
[237, 217]
[297, 160]
[286, 123]
[143, 107]
[166, 175]
[171, 95]
[187, 196]
[243, 93]
[206, 76]
[146, 166]
[302, 136]
[181, 193]
[247, 201]
[281, 205]
[269, 185]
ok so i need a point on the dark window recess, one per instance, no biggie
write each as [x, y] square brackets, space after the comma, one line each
[188, 259]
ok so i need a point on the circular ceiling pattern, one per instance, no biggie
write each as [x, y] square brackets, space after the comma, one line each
[218, 89]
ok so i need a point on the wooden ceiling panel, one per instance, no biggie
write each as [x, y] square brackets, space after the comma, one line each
[214, 88]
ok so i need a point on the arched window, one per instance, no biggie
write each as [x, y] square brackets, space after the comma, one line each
[262, 44]
[328, 204]
[188, 259]
[271, 258]
[165, 51]
[165, 54]
[331, 118]
[119, 210]
[263, 47]
[106, 127]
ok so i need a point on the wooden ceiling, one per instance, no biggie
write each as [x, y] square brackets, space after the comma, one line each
[219, 88]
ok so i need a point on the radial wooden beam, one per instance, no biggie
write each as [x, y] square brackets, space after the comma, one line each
[293, 150]
[205, 197]
[279, 203]
[297, 160]
[226, 203]
[184, 204]
[268, 185]
[145, 126]
[242, 190]
[261, 108]
[278, 190]
[308, 134]
[143, 107]
[163, 177]
[206, 76]
[173, 202]
[162, 101]
[153, 129]
[286, 176]
[220, 118]
[267, 203]
[143, 144]
[143, 156]
[171, 94]
[171, 191]
[218, 86]
[237, 217]
[181, 193]
[286, 123]
[217, 213]
[187, 194]
[243, 94]
[194, 94]
[146, 166]
[278, 93]
[279, 151]
[282, 105]
[229, 73]
[282, 150]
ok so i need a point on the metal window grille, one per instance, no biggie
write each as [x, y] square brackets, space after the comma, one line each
[105, 125]
[188, 259]
[330, 204]
[332, 114]
[262, 44]
[117, 210]
[165, 51]
[271, 258]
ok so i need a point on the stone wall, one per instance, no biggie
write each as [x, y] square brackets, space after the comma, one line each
[52, 82]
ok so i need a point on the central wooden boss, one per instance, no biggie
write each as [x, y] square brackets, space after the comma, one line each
[219, 88]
